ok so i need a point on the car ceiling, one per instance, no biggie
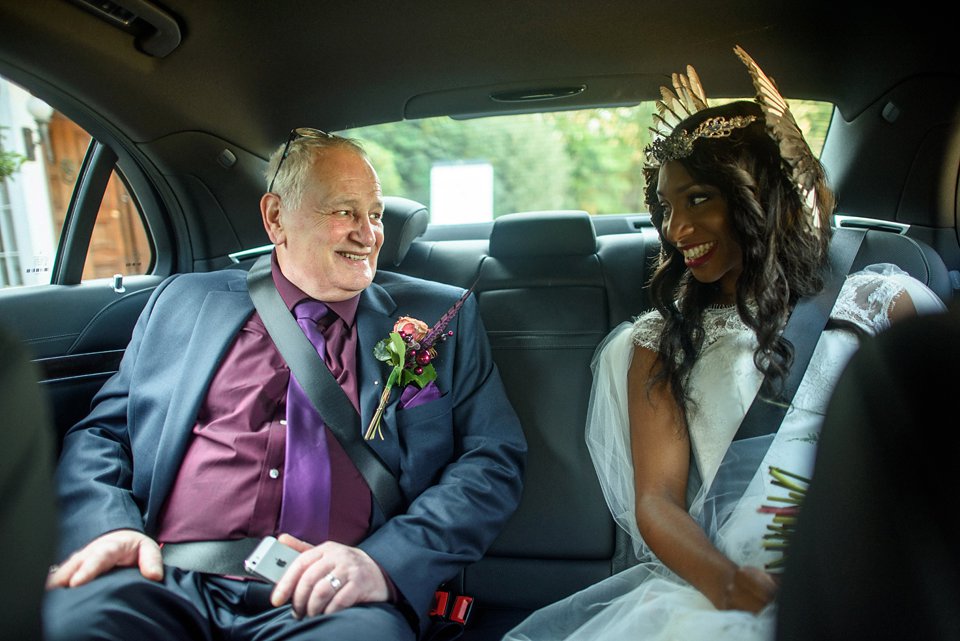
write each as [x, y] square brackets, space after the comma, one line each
[248, 71]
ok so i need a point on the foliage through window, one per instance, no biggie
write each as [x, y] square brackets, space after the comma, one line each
[477, 169]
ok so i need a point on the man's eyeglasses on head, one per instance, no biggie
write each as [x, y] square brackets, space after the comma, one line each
[296, 134]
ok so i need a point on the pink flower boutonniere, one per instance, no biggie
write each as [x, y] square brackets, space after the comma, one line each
[411, 349]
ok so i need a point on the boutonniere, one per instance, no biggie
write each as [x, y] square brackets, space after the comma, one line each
[411, 349]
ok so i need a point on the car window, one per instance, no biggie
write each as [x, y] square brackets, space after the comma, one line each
[473, 170]
[41, 156]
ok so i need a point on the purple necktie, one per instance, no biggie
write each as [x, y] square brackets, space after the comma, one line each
[305, 509]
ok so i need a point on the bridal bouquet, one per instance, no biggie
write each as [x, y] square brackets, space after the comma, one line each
[784, 515]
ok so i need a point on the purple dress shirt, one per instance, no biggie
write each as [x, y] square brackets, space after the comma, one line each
[230, 483]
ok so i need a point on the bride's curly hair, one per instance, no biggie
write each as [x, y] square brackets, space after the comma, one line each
[783, 248]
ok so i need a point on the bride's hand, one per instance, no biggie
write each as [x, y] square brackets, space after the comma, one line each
[751, 589]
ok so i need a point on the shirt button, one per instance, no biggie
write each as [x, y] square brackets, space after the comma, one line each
[274, 473]
[283, 421]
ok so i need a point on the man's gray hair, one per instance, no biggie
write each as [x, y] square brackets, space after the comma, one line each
[291, 181]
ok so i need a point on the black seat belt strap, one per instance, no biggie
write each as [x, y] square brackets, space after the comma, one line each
[803, 330]
[224, 558]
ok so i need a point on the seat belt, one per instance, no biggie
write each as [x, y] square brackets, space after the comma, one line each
[321, 387]
[803, 330]
[224, 558]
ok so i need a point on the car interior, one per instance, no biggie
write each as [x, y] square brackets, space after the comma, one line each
[185, 101]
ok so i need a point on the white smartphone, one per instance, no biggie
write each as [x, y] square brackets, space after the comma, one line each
[270, 559]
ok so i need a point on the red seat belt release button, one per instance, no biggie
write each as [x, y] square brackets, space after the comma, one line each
[441, 601]
[461, 609]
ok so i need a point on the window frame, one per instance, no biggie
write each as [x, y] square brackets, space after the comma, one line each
[108, 151]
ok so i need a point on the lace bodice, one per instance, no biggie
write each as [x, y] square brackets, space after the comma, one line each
[724, 380]
[865, 299]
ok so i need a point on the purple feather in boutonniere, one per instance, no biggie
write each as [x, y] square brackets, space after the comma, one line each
[411, 349]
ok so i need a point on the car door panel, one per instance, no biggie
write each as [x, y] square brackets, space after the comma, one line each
[76, 334]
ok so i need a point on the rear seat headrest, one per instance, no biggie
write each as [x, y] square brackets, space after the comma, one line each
[404, 221]
[543, 233]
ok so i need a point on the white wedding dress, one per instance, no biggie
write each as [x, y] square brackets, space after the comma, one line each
[648, 601]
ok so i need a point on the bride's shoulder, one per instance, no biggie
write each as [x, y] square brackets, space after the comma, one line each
[868, 296]
[645, 331]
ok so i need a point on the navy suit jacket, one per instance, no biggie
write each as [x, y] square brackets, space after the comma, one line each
[458, 459]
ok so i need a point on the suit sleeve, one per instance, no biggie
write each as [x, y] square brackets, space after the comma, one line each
[454, 521]
[95, 475]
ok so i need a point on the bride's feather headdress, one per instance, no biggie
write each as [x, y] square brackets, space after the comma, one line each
[687, 97]
[806, 171]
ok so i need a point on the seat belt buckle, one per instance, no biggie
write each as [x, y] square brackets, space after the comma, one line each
[462, 607]
[441, 603]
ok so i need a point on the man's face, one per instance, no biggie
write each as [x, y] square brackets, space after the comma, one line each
[328, 246]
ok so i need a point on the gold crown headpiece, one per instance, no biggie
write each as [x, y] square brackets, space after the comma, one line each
[679, 144]
[687, 98]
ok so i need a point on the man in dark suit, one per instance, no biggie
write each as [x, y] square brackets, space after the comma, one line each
[193, 440]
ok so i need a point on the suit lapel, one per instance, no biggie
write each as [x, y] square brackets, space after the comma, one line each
[374, 322]
[221, 316]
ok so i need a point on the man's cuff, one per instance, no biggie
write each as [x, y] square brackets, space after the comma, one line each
[393, 594]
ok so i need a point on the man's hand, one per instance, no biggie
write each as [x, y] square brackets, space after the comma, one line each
[751, 590]
[328, 578]
[120, 548]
